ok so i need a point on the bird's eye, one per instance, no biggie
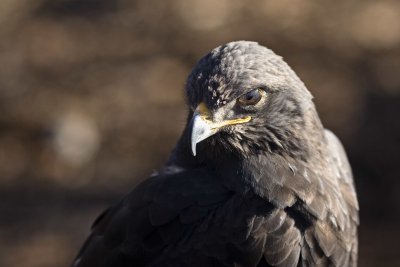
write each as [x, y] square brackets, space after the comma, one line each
[250, 98]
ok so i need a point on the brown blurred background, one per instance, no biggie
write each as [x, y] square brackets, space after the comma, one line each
[91, 102]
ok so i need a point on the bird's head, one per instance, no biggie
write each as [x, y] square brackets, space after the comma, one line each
[245, 98]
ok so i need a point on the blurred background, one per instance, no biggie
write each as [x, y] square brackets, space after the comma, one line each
[91, 102]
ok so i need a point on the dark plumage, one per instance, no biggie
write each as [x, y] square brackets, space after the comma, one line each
[269, 186]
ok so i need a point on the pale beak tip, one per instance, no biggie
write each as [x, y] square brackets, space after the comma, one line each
[200, 131]
[194, 149]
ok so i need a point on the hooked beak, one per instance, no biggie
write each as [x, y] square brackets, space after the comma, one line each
[203, 127]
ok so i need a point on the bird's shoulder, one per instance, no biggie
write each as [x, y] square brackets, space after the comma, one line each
[335, 208]
[170, 214]
[342, 168]
[319, 196]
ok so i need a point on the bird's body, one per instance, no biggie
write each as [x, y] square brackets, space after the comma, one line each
[269, 186]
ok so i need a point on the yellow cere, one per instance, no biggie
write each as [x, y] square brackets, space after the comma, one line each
[203, 110]
[205, 114]
[232, 122]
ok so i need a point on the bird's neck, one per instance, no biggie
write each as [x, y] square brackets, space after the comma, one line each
[248, 172]
[238, 173]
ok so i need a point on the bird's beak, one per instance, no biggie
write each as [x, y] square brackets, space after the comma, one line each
[203, 127]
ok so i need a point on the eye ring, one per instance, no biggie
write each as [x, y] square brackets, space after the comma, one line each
[251, 98]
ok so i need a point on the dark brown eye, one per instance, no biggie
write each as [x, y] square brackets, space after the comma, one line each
[250, 98]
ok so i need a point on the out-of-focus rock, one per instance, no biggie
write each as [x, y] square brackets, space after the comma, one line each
[377, 24]
[76, 138]
[206, 14]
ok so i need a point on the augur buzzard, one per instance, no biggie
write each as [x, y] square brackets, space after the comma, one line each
[254, 180]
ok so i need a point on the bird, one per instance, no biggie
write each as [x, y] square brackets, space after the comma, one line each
[254, 179]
